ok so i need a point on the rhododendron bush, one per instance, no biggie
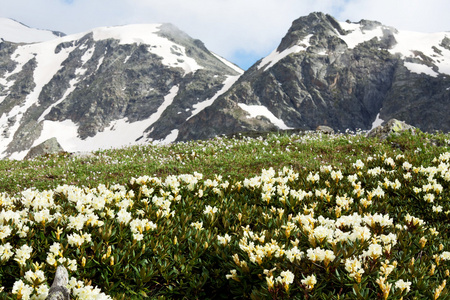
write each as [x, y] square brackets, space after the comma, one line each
[376, 228]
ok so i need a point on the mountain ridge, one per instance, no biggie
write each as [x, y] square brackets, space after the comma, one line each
[114, 86]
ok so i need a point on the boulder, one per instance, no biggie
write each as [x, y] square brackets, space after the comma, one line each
[59, 290]
[393, 126]
[325, 129]
[49, 146]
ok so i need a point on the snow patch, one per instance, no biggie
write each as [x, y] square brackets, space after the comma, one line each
[173, 54]
[19, 155]
[377, 122]
[413, 44]
[229, 64]
[170, 138]
[357, 35]
[120, 133]
[126, 59]
[276, 56]
[72, 84]
[87, 55]
[198, 107]
[47, 64]
[16, 32]
[84, 59]
[409, 44]
[100, 62]
[260, 110]
[420, 68]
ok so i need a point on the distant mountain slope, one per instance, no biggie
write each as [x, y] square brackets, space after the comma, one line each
[108, 87]
[13, 31]
[342, 74]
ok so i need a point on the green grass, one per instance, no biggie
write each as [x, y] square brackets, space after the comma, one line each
[239, 158]
[264, 192]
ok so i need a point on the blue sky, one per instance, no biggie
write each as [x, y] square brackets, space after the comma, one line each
[242, 31]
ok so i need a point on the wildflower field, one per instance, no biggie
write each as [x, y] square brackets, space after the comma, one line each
[286, 216]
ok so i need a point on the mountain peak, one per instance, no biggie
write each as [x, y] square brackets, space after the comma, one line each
[316, 23]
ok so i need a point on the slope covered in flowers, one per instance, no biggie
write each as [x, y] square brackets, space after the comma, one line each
[366, 226]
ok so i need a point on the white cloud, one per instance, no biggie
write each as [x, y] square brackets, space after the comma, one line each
[230, 28]
[412, 15]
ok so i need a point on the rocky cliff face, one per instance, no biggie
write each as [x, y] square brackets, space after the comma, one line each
[105, 88]
[341, 74]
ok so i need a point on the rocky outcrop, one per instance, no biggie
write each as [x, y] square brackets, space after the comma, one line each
[391, 127]
[59, 290]
[50, 146]
[325, 129]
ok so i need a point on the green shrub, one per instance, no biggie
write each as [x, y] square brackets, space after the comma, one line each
[330, 217]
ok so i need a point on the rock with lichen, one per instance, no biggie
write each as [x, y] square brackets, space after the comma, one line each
[390, 127]
[59, 290]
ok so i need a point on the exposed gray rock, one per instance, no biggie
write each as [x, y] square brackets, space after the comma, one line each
[390, 127]
[325, 129]
[59, 290]
[49, 146]
[332, 83]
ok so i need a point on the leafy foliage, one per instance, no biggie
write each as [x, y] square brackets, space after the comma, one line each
[307, 216]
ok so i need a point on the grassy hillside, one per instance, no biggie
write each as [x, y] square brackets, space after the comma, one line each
[306, 216]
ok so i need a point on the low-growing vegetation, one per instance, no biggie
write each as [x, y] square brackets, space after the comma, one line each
[303, 216]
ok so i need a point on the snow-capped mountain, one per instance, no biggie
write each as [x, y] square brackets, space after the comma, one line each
[116, 86]
[108, 87]
[341, 74]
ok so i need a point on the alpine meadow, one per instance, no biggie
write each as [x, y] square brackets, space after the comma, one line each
[303, 215]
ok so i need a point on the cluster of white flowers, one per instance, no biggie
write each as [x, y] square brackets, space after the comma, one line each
[286, 278]
[22, 290]
[82, 291]
[139, 226]
[320, 255]
[211, 211]
[309, 282]
[34, 286]
[77, 240]
[55, 256]
[23, 254]
[224, 240]
[197, 225]
[354, 267]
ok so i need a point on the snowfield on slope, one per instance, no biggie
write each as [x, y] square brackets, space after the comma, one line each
[120, 132]
[409, 44]
[16, 32]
